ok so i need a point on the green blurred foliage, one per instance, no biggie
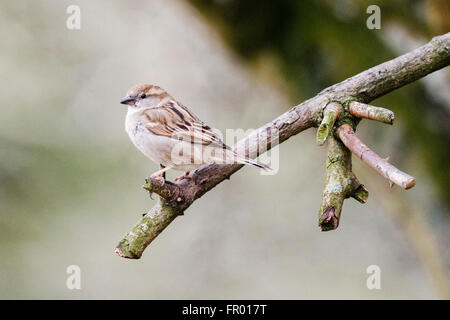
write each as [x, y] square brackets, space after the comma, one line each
[319, 43]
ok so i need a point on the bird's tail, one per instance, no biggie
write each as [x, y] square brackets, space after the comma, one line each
[230, 157]
[253, 163]
[245, 160]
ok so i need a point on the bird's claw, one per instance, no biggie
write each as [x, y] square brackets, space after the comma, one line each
[160, 179]
[185, 176]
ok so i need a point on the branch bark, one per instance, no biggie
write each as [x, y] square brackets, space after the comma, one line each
[363, 87]
[340, 184]
[362, 110]
[330, 114]
[382, 166]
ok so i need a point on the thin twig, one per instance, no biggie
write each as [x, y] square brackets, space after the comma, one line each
[382, 166]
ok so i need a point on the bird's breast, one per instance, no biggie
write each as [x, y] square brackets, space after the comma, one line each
[156, 148]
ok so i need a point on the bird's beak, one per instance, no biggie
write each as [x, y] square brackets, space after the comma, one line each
[128, 101]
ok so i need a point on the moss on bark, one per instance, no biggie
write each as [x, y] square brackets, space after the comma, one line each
[340, 183]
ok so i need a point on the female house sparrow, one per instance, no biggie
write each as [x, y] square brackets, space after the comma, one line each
[171, 135]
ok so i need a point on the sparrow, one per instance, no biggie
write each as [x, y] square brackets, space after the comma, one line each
[171, 135]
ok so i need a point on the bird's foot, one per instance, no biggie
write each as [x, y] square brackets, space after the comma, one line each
[160, 175]
[159, 178]
[185, 176]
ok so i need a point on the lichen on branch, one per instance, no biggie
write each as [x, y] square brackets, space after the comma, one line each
[151, 225]
[367, 111]
[330, 115]
[340, 183]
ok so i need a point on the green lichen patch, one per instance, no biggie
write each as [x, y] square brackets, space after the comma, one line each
[340, 183]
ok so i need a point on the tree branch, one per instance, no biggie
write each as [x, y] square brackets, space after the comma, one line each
[362, 110]
[364, 87]
[382, 166]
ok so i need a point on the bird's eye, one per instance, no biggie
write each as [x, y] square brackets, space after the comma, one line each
[142, 95]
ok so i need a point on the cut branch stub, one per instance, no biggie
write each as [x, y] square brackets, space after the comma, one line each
[382, 166]
[151, 225]
[340, 183]
[362, 110]
[165, 189]
[330, 114]
[170, 205]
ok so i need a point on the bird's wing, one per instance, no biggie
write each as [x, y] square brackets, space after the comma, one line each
[173, 120]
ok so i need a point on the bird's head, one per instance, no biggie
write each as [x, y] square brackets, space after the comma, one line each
[144, 96]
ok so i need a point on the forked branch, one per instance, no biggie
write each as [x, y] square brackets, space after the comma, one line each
[364, 87]
[340, 181]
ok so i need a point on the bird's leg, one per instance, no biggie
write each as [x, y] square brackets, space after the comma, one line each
[185, 176]
[161, 174]
[161, 166]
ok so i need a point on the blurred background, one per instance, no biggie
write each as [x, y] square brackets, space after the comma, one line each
[70, 179]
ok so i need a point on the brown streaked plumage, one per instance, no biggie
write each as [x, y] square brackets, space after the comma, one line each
[177, 122]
